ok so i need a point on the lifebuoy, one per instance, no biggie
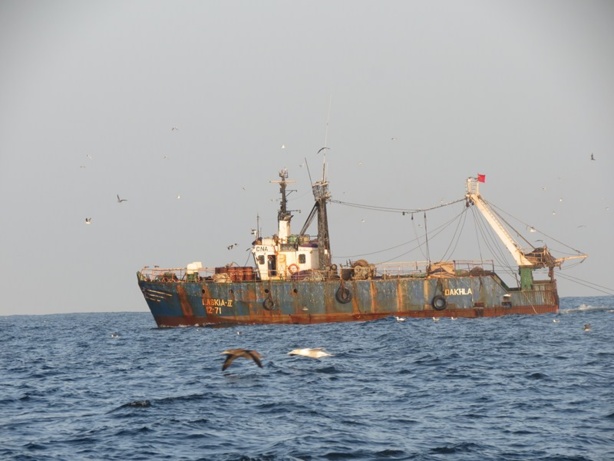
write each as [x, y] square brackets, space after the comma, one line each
[343, 295]
[439, 303]
[293, 269]
[268, 303]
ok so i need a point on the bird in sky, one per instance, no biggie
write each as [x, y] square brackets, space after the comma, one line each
[232, 354]
[314, 353]
[592, 157]
[88, 220]
[120, 200]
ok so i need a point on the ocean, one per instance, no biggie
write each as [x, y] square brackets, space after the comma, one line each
[112, 386]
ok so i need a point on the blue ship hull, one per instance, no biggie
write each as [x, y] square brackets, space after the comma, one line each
[201, 303]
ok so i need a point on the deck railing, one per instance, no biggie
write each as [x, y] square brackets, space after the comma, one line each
[383, 270]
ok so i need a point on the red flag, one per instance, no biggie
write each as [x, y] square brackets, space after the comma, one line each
[481, 177]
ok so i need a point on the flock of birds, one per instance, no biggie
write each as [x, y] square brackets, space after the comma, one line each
[314, 353]
[250, 354]
[119, 199]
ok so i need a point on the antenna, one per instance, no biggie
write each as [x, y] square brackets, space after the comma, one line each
[330, 103]
[325, 148]
[308, 172]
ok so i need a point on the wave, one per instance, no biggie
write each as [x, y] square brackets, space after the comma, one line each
[586, 308]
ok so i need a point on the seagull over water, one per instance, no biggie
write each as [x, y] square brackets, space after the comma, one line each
[314, 353]
[120, 200]
[232, 354]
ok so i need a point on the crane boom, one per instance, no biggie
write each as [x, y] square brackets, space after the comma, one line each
[474, 197]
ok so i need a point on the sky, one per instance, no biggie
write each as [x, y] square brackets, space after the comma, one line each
[188, 109]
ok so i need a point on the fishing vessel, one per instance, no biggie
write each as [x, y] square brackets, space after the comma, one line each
[293, 279]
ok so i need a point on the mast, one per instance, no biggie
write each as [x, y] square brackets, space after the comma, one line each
[283, 215]
[321, 194]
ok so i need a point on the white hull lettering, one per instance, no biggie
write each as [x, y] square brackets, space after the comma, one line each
[457, 292]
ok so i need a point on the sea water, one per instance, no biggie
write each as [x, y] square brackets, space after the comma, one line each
[112, 386]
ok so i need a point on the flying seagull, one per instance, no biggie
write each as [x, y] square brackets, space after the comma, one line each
[314, 353]
[120, 200]
[88, 220]
[232, 354]
[592, 157]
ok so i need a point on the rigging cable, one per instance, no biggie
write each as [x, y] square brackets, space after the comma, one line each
[395, 210]
[591, 285]
[493, 245]
[417, 239]
[434, 233]
[477, 237]
[426, 240]
[460, 223]
[542, 233]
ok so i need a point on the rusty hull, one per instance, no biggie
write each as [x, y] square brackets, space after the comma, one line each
[200, 303]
